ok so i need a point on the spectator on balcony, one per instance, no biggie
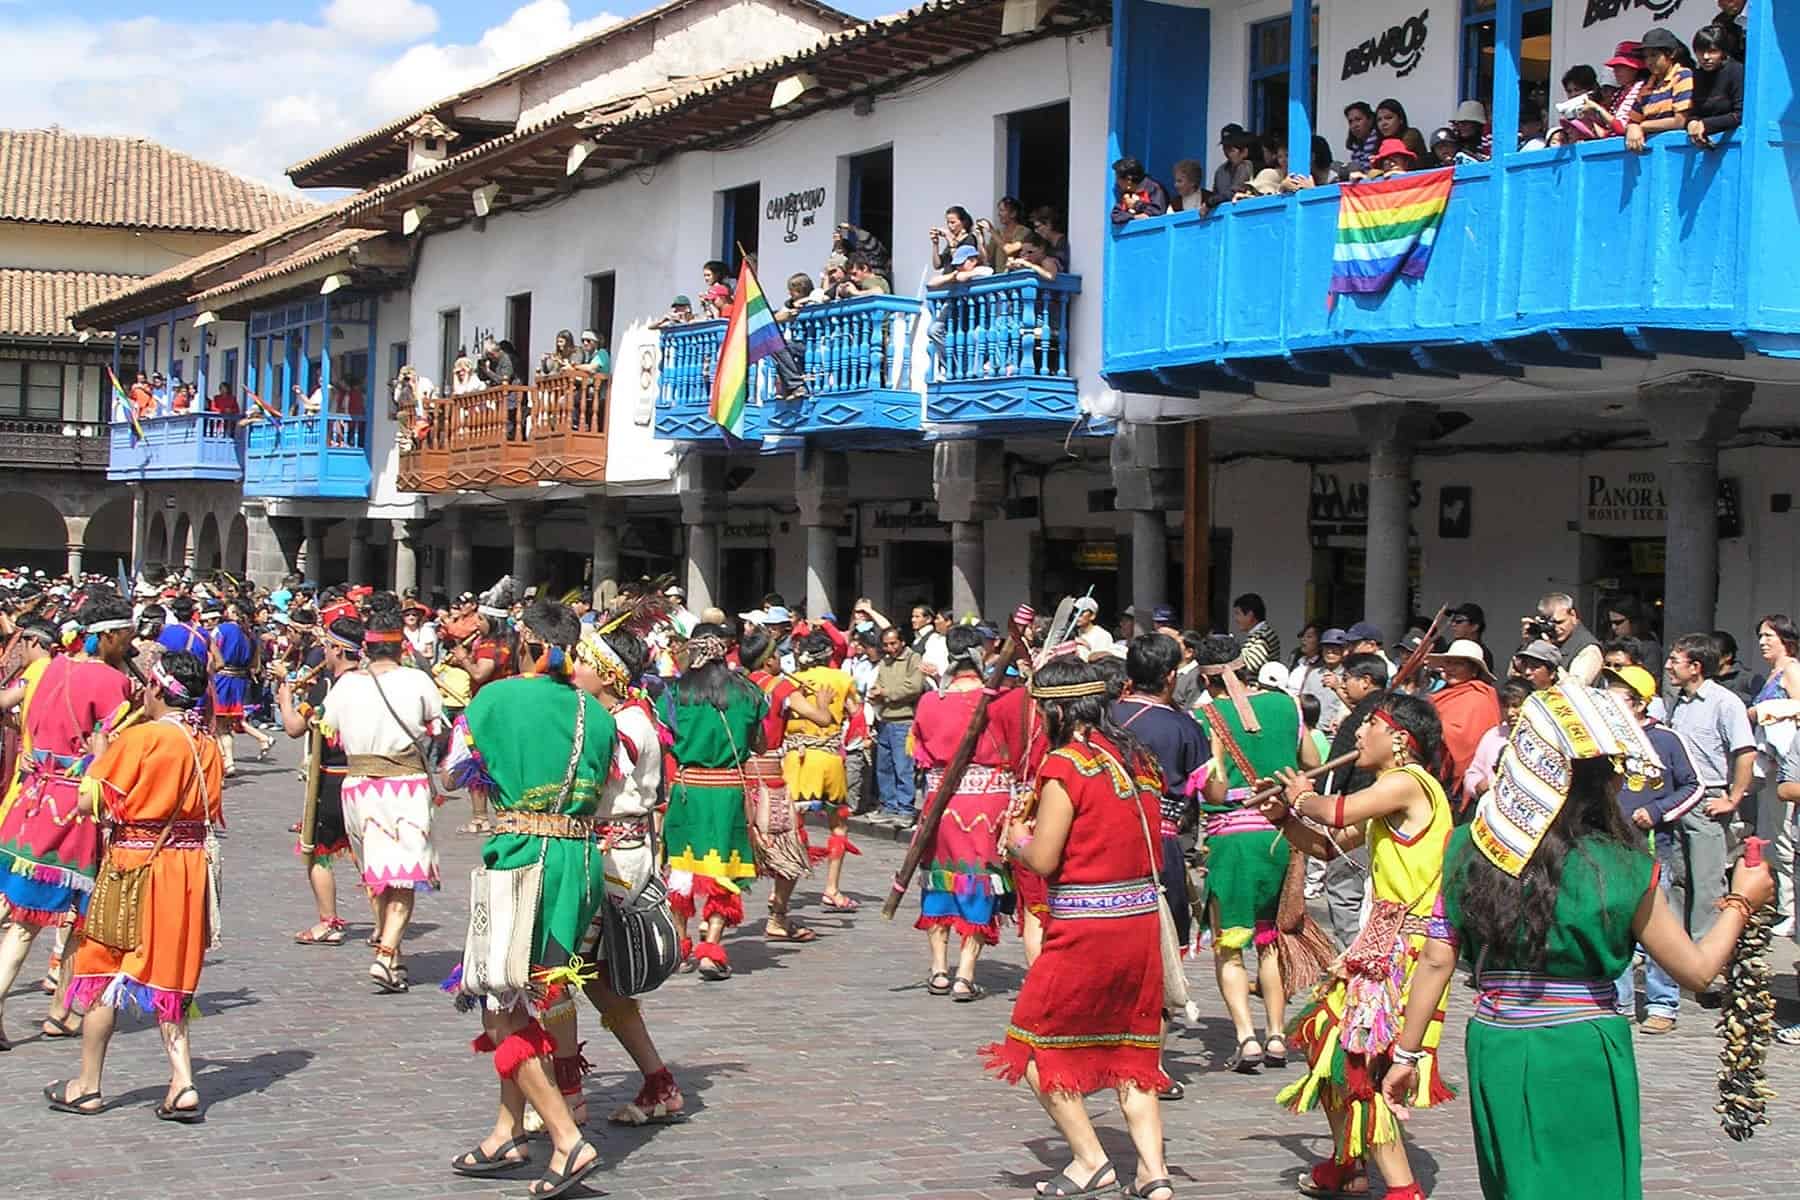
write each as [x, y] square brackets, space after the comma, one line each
[496, 365]
[1047, 220]
[681, 312]
[1718, 88]
[1323, 169]
[1592, 119]
[593, 356]
[863, 279]
[1631, 76]
[464, 378]
[1733, 24]
[1391, 121]
[1190, 193]
[1362, 141]
[1474, 141]
[1532, 134]
[1394, 157]
[562, 356]
[1668, 98]
[851, 239]
[715, 290]
[183, 399]
[1034, 255]
[957, 231]
[1139, 197]
[223, 402]
[1237, 168]
[1443, 146]
[309, 405]
[965, 264]
[1009, 225]
[143, 397]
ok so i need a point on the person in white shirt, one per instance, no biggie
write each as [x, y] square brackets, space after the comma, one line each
[421, 635]
[929, 644]
[1093, 639]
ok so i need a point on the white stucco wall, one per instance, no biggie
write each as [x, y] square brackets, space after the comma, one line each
[112, 251]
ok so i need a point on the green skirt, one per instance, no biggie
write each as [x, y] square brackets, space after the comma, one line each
[706, 832]
[574, 885]
[1555, 1111]
[1243, 878]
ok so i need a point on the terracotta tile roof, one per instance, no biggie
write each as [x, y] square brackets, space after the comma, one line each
[52, 176]
[382, 135]
[329, 246]
[39, 303]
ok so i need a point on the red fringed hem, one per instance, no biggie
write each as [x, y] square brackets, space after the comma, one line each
[836, 846]
[989, 933]
[711, 952]
[37, 918]
[1080, 1073]
[713, 900]
[516, 1049]
[682, 905]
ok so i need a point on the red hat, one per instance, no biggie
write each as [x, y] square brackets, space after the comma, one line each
[1627, 54]
[343, 608]
[361, 591]
[1395, 148]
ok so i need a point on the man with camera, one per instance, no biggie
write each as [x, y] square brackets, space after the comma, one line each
[1558, 623]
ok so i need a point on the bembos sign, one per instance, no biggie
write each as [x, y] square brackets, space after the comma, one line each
[1401, 47]
[1585, 31]
[1605, 10]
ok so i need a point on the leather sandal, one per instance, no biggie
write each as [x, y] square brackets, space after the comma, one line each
[387, 978]
[1062, 1186]
[1272, 1060]
[1245, 1064]
[60, 1101]
[54, 1028]
[1148, 1191]
[939, 983]
[478, 1162]
[175, 1112]
[562, 1182]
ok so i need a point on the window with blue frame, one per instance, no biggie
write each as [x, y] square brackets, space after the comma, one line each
[396, 359]
[1534, 52]
[739, 223]
[1269, 59]
[229, 373]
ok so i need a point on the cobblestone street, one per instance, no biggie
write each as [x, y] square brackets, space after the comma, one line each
[817, 1073]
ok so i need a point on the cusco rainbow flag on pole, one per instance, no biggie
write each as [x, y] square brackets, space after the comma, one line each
[123, 401]
[751, 336]
[1386, 231]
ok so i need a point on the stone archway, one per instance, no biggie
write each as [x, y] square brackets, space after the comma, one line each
[180, 549]
[33, 534]
[207, 551]
[237, 546]
[156, 544]
[107, 541]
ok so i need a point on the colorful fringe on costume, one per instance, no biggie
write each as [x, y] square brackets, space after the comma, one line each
[1078, 1065]
[836, 846]
[42, 894]
[516, 1049]
[707, 898]
[470, 773]
[123, 992]
[1348, 1082]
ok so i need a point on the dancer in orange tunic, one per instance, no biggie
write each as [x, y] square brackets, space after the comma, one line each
[162, 774]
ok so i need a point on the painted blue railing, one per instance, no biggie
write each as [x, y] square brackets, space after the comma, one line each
[323, 457]
[857, 360]
[1000, 353]
[182, 446]
[1587, 249]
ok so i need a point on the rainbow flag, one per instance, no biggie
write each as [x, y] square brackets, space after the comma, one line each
[124, 401]
[751, 336]
[1386, 230]
[272, 413]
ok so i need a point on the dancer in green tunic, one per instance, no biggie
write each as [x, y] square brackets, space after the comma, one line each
[543, 750]
[1547, 892]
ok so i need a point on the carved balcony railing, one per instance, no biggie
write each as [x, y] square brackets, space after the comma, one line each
[194, 445]
[1000, 354]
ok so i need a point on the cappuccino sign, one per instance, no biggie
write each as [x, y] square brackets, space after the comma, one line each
[796, 211]
[1401, 47]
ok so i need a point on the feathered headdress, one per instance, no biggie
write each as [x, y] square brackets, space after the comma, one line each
[498, 600]
[640, 611]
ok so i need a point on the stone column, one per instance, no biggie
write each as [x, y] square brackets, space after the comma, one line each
[76, 529]
[969, 480]
[822, 490]
[315, 550]
[701, 481]
[606, 518]
[1393, 431]
[406, 558]
[1693, 414]
[358, 569]
[523, 516]
[460, 568]
[1147, 469]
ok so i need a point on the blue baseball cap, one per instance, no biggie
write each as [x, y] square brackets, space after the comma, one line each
[963, 254]
[1334, 637]
[1364, 631]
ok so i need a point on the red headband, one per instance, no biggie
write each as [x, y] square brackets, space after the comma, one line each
[1387, 718]
[384, 637]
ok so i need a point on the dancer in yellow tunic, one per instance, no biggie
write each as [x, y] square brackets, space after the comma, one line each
[38, 640]
[814, 760]
[1349, 1028]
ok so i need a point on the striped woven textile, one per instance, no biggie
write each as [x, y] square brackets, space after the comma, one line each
[1524, 1000]
[1127, 898]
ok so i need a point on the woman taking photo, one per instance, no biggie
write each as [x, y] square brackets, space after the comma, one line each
[1347, 1031]
[957, 231]
[1549, 891]
[1089, 1015]
[157, 788]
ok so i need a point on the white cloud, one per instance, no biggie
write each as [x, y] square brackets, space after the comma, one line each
[382, 21]
[256, 96]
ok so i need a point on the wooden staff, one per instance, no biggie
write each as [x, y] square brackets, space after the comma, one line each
[1318, 772]
[926, 833]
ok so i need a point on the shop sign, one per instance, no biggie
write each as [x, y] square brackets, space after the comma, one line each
[1585, 31]
[755, 532]
[1630, 503]
[795, 211]
[1400, 46]
[1339, 507]
[903, 520]
[1097, 556]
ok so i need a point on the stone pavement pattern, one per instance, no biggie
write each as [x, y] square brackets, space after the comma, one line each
[817, 1073]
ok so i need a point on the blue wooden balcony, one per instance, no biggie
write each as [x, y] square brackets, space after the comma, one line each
[857, 357]
[182, 446]
[1003, 362]
[317, 457]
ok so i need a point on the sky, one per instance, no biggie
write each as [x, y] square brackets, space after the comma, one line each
[255, 86]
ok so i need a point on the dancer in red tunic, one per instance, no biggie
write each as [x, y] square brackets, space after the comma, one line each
[1090, 1013]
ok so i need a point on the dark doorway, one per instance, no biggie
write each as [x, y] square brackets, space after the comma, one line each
[1037, 157]
[739, 223]
[600, 308]
[848, 586]
[748, 575]
[871, 204]
[918, 573]
[518, 331]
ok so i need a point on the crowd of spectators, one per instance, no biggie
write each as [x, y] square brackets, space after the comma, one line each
[1659, 85]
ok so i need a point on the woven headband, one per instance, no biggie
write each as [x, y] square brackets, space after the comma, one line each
[707, 648]
[170, 685]
[488, 610]
[1069, 691]
[384, 637]
[108, 626]
[1387, 718]
[1234, 687]
[342, 643]
[593, 652]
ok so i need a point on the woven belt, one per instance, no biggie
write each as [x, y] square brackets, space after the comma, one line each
[1238, 820]
[978, 780]
[1427, 927]
[1526, 1000]
[1127, 898]
[622, 831]
[710, 776]
[1171, 829]
[544, 825]
[233, 673]
[138, 835]
[803, 741]
[384, 766]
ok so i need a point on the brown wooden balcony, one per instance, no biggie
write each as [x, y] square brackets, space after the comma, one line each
[512, 436]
